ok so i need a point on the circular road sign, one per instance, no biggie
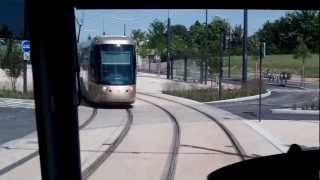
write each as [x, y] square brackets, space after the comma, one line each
[25, 45]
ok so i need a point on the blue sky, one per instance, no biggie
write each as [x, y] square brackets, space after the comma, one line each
[112, 21]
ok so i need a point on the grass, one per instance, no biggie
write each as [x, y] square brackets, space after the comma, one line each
[15, 94]
[277, 63]
[212, 94]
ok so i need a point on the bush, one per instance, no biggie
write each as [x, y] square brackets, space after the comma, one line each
[15, 94]
[211, 94]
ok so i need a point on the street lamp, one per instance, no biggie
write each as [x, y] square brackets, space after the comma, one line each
[169, 60]
[244, 46]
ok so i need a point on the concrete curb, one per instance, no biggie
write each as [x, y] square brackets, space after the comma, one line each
[268, 93]
[276, 142]
[291, 111]
[288, 86]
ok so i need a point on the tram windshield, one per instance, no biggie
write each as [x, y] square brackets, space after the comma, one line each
[117, 64]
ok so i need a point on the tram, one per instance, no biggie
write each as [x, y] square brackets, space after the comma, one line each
[108, 70]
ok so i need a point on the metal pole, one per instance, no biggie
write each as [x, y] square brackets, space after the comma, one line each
[103, 33]
[25, 72]
[206, 60]
[262, 54]
[171, 69]
[79, 30]
[260, 85]
[244, 46]
[201, 71]
[124, 29]
[26, 36]
[229, 54]
[185, 68]
[149, 65]
[79, 26]
[220, 64]
[168, 49]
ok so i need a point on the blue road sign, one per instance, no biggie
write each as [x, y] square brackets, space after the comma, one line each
[25, 46]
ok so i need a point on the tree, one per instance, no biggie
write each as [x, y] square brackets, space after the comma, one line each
[144, 50]
[254, 47]
[254, 51]
[198, 41]
[282, 34]
[205, 42]
[236, 40]
[214, 58]
[138, 37]
[302, 52]
[180, 30]
[12, 62]
[216, 28]
[156, 36]
[179, 41]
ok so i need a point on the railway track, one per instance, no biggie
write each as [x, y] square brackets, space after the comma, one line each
[175, 144]
[36, 153]
[171, 162]
[235, 143]
[106, 154]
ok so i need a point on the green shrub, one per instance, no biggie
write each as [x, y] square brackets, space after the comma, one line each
[212, 94]
[15, 94]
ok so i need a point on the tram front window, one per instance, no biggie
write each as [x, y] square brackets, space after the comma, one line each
[116, 64]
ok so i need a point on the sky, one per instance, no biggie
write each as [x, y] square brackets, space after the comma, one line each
[11, 14]
[112, 21]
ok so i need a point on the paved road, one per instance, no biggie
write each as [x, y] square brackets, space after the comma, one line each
[144, 152]
[279, 98]
[16, 123]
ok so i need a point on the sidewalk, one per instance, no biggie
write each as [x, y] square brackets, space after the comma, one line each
[262, 138]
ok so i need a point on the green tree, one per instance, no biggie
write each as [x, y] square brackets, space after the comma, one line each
[180, 30]
[282, 34]
[180, 41]
[198, 43]
[12, 62]
[217, 27]
[144, 50]
[138, 37]
[302, 52]
[205, 42]
[236, 40]
[157, 37]
[254, 47]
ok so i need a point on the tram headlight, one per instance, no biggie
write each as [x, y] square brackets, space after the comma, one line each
[104, 89]
[129, 89]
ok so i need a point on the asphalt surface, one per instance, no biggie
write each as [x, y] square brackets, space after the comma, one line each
[273, 85]
[279, 98]
[16, 123]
